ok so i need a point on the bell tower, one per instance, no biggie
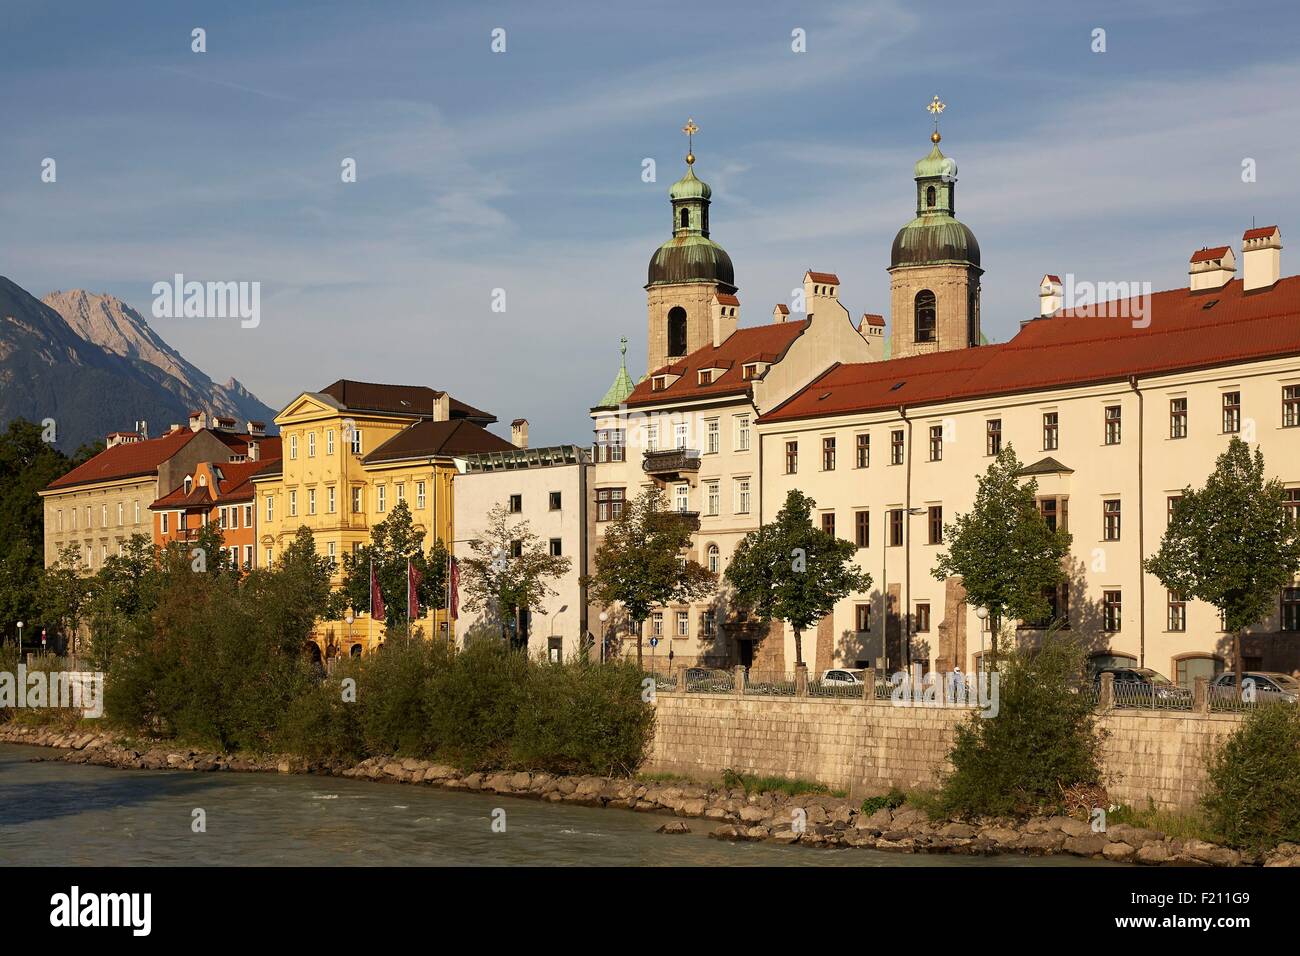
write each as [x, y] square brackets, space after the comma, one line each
[934, 267]
[685, 273]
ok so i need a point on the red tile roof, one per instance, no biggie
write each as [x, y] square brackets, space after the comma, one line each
[782, 308]
[1263, 232]
[727, 298]
[1205, 255]
[130, 460]
[758, 343]
[1188, 330]
[234, 486]
[829, 278]
[872, 319]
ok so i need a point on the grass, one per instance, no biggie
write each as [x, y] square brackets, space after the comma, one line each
[1185, 825]
[791, 786]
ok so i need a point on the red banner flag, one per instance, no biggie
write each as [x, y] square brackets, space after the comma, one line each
[413, 579]
[376, 596]
[454, 587]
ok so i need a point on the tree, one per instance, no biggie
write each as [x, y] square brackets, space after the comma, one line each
[640, 563]
[127, 587]
[293, 594]
[64, 591]
[509, 570]
[1007, 557]
[393, 542]
[792, 571]
[1230, 543]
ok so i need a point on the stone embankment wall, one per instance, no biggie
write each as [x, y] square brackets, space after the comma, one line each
[867, 746]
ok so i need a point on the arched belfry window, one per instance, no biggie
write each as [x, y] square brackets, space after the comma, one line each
[686, 218]
[677, 331]
[925, 324]
[929, 197]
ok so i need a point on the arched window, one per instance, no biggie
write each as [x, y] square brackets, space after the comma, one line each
[713, 557]
[929, 196]
[188, 483]
[686, 218]
[925, 326]
[677, 331]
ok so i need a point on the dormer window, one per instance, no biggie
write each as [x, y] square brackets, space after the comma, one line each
[659, 383]
[706, 376]
[188, 483]
[749, 370]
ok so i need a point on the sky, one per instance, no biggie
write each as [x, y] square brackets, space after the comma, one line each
[522, 170]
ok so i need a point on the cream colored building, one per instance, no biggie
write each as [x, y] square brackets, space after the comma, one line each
[550, 489]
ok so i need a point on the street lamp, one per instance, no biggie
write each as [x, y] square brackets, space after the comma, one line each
[349, 619]
[604, 617]
[20, 641]
[551, 636]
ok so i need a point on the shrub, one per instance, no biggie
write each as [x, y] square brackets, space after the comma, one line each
[1042, 741]
[889, 801]
[1253, 798]
[321, 724]
[392, 696]
[472, 706]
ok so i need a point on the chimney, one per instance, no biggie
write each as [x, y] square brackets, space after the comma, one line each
[871, 326]
[1261, 258]
[1212, 268]
[196, 421]
[257, 429]
[254, 451]
[442, 407]
[173, 428]
[726, 314]
[1049, 295]
[142, 427]
[781, 313]
[519, 433]
[819, 285]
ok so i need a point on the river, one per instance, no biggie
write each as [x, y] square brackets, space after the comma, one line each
[59, 814]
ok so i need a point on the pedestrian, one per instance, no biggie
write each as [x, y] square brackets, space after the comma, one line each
[958, 685]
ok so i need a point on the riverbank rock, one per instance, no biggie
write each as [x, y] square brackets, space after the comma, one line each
[677, 826]
[728, 832]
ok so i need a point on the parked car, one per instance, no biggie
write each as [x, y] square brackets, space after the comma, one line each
[1137, 682]
[842, 675]
[1270, 686]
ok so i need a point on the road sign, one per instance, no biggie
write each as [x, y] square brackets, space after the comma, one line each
[654, 642]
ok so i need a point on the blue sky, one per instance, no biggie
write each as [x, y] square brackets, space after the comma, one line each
[522, 170]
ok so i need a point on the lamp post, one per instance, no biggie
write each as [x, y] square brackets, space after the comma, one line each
[551, 634]
[349, 619]
[20, 641]
[983, 614]
[604, 617]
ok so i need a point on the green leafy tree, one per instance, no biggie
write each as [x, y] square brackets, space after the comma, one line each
[125, 588]
[1007, 557]
[793, 571]
[64, 593]
[1230, 543]
[640, 562]
[510, 571]
[393, 542]
[293, 594]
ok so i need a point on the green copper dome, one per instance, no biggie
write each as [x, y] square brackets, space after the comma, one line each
[688, 187]
[691, 258]
[935, 164]
[935, 236]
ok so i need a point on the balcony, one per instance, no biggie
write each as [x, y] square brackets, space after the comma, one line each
[671, 464]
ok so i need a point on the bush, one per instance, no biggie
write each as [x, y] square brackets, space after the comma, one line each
[889, 801]
[1253, 798]
[392, 696]
[582, 718]
[321, 724]
[1042, 742]
[474, 704]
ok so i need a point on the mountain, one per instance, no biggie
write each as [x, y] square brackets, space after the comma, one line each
[113, 325]
[48, 369]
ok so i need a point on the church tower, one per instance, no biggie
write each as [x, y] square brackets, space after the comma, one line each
[685, 273]
[934, 266]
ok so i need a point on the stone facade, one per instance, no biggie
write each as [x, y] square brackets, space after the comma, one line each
[956, 293]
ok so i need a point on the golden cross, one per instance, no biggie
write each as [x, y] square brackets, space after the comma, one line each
[690, 129]
[936, 107]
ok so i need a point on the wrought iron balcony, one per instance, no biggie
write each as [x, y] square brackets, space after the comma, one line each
[671, 463]
[690, 518]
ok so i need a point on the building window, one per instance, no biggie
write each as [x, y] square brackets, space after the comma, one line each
[742, 496]
[1054, 512]
[922, 618]
[864, 451]
[609, 444]
[1051, 431]
[162, 522]
[270, 509]
[1112, 608]
[1113, 420]
[657, 624]
[311, 444]
[683, 623]
[681, 432]
[356, 501]
[925, 323]
[1291, 609]
[936, 524]
[791, 457]
[293, 504]
[1290, 406]
[419, 495]
[1110, 519]
[742, 433]
[1170, 506]
[712, 497]
[710, 622]
[1231, 412]
[711, 434]
[516, 504]
[1291, 505]
[293, 447]
[556, 501]
[828, 523]
[682, 496]
[1177, 613]
[268, 558]
[516, 548]
[862, 618]
[828, 454]
[356, 440]
[248, 516]
[677, 329]
[896, 447]
[1177, 418]
[862, 528]
[896, 527]
[330, 503]
[936, 443]
[993, 437]
[381, 498]
[311, 501]
[400, 491]
[609, 504]
[557, 547]
[713, 557]
[329, 441]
